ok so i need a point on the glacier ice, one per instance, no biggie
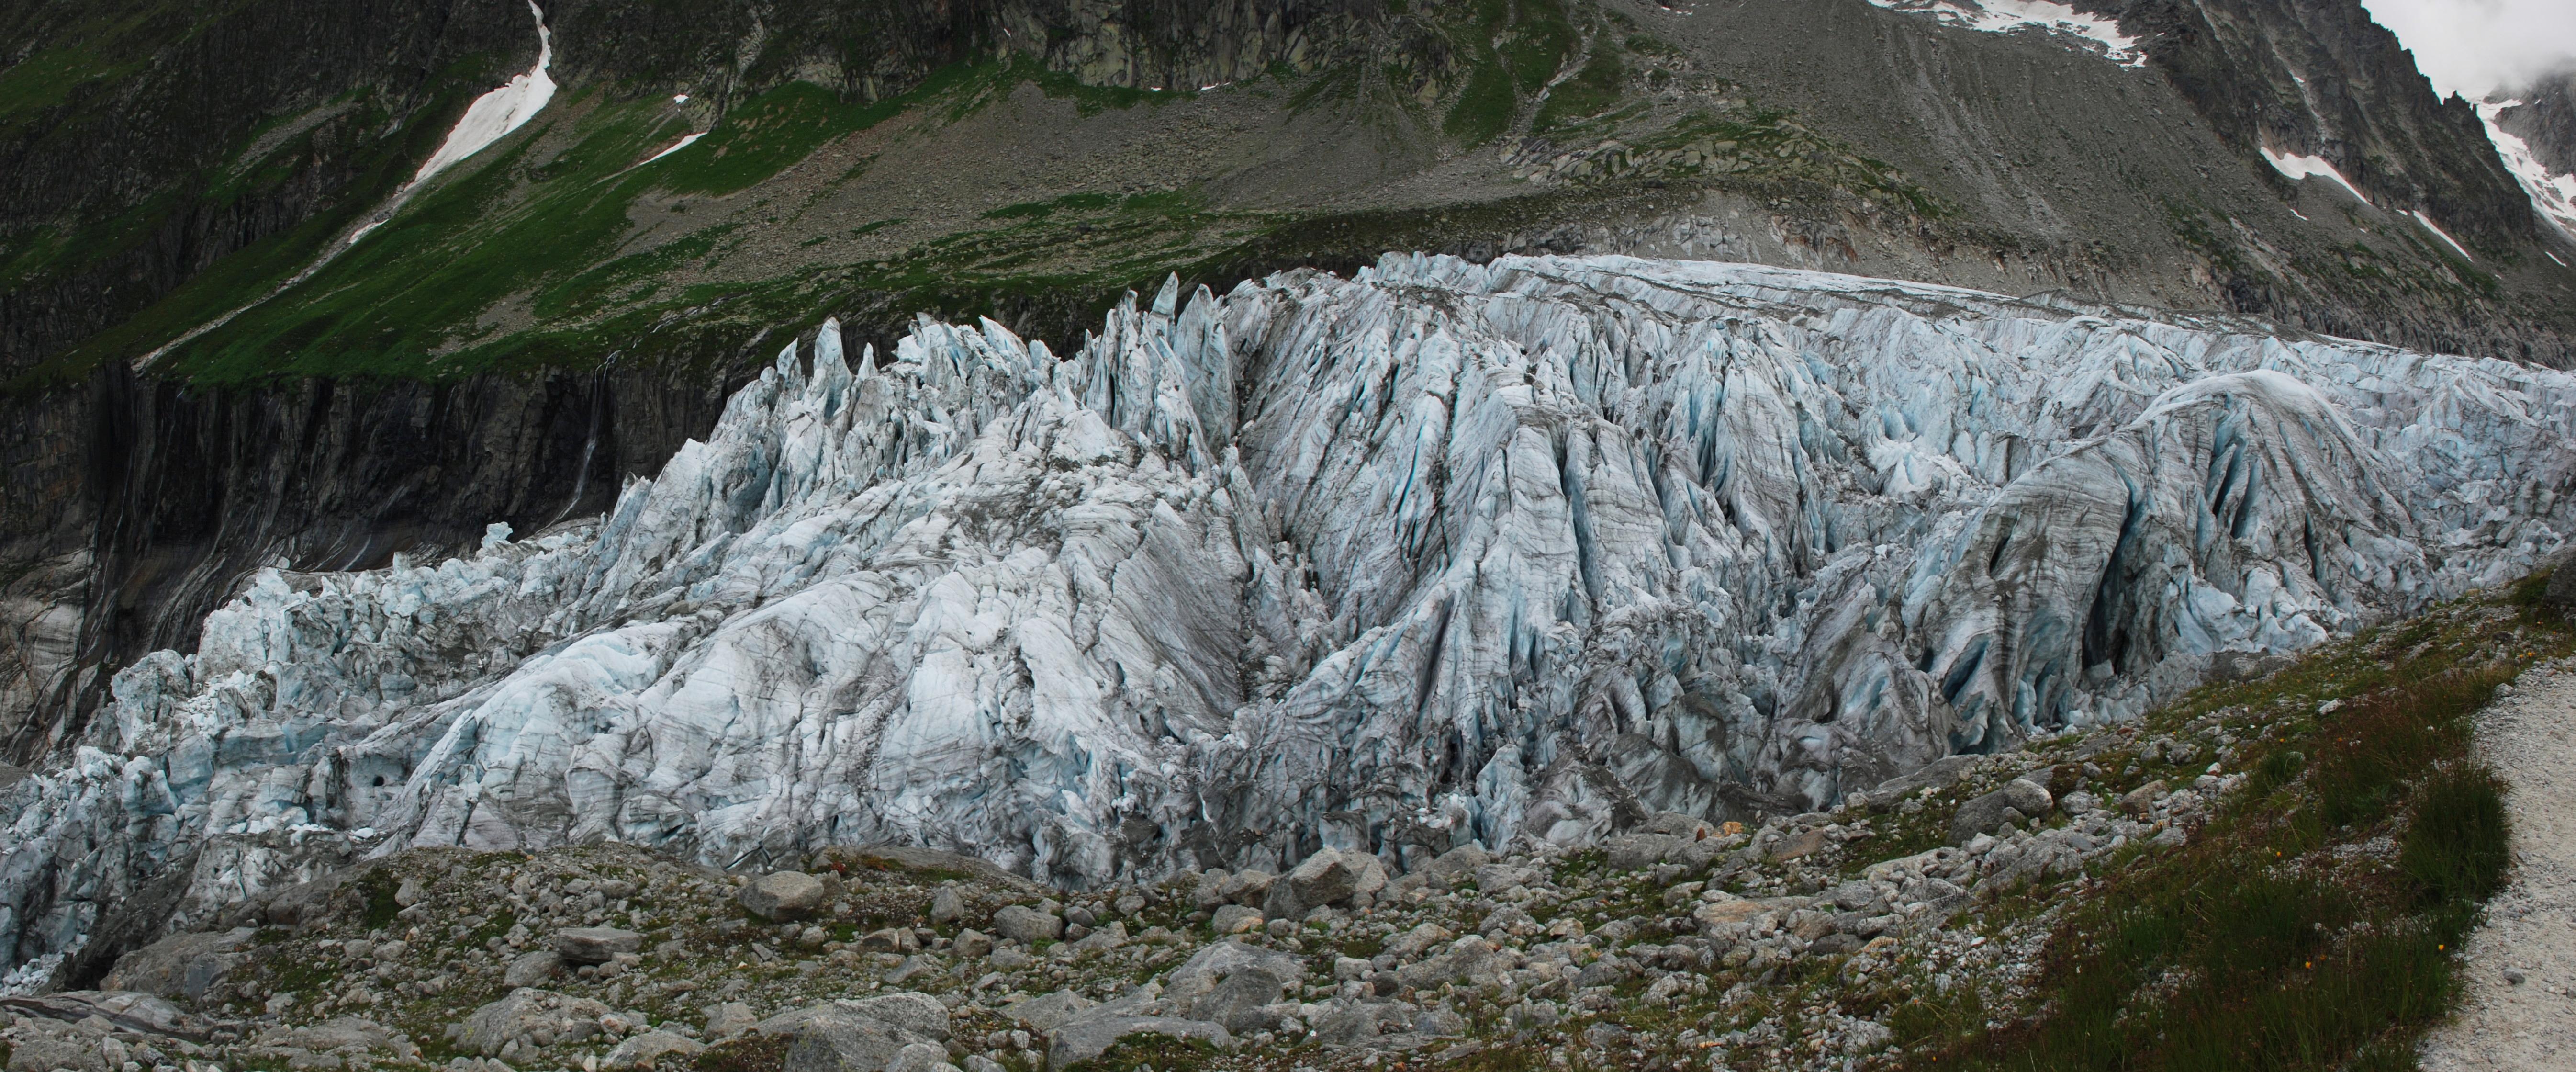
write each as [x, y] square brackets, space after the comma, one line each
[1440, 552]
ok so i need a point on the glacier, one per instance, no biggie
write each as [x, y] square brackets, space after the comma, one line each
[1438, 553]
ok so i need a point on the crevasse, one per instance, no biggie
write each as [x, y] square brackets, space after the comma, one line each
[1442, 552]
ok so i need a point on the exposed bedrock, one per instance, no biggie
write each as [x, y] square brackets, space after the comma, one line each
[134, 506]
[1440, 553]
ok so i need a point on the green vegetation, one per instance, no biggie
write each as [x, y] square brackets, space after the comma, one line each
[2312, 924]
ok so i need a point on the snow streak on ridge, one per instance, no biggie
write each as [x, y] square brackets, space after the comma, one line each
[2301, 168]
[2553, 195]
[2101, 35]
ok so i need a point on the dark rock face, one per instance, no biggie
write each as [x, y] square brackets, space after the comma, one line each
[2546, 120]
[133, 505]
[2319, 77]
[213, 131]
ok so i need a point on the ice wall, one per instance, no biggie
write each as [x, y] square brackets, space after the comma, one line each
[1442, 552]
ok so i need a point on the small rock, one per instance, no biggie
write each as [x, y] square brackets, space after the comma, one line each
[1235, 919]
[2514, 976]
[972, 943]
[945, 905]
[2142, 799]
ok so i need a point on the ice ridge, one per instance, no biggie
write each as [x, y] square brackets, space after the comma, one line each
[1443, 552]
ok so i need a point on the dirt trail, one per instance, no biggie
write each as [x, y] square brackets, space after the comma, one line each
[2530, 931]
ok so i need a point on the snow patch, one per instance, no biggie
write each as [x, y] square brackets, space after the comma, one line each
[2438, 232]
[494, 115]
[2006, 16]
[2553, 195]
[2302, 168]
[675, 147]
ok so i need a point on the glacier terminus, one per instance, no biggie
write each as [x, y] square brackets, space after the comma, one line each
[1440, 553]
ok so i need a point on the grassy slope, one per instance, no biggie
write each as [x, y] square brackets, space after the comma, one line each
[535, 253]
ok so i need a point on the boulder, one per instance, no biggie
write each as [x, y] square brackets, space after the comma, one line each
[899, 940]
[920, 1014]
[532, 968]
[1248, 888]
[1329, 877]
[1235, 919]
[847, 1042]
[1469, 960]
[729, 1019]
[344, 1035]
[1421, 939]
[1637, 852]
[1463, 860]
[2142, 799]
[921, 1057]
[181, 965]
[782, 895]
[596, 945]
[2560, 594]
[1027, 925]
[642, 1051]
[1085, 1039]
[1497, 877]
[1982, 814]
[946, 906]
[972, 943]
[1211, 965]
[526, 1011]
[1237, 999]
[1046, 1012]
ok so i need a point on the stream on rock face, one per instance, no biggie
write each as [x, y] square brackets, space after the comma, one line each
[1440, 554]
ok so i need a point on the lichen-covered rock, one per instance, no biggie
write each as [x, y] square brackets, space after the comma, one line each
[596, 945]
[532, 968]
[181, 965]
[1020, 923]
[647, 1049]
[528, 1012]
[1085, 1039]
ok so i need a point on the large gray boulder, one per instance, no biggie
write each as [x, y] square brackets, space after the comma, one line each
[642, 1051]
[920, 1014]
[1329, 877]
[1468, 960]
[850, 1043]
[1027, 925]
[181, 965]
[532, 968]
[527, 1011]
[782, 895]
[1046, 1012]
[1213, 964]
[1085, 1039]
